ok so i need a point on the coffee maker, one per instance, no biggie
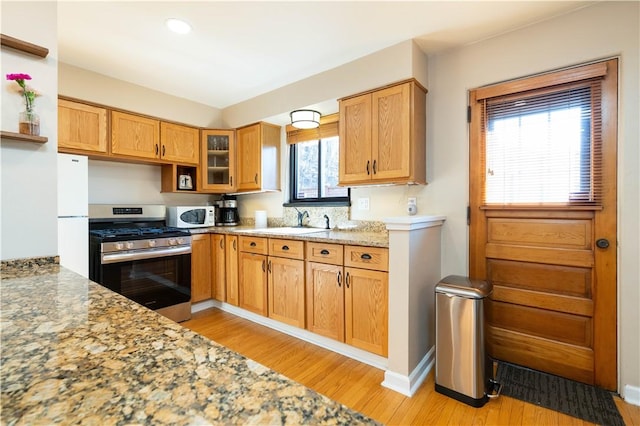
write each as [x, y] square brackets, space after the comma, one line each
[227, 211]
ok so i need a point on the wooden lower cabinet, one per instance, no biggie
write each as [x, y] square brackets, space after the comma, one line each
[325, 300]
[231, 269]
[286, 290]
[366, 309]
[252, 282]
[200, 267]
[218, 275]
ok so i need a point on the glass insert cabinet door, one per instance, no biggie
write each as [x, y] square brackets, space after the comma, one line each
[218, 154]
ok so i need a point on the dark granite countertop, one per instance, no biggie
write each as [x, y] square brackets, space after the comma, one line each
[75, 352]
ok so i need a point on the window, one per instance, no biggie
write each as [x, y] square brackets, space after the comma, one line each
[314, 156]
[543, 144]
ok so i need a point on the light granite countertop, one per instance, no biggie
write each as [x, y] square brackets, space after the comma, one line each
[74, 352]
[358, 238]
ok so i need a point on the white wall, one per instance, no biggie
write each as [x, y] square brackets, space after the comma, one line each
[28, 201]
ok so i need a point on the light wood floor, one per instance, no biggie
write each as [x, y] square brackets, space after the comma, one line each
[357, 385]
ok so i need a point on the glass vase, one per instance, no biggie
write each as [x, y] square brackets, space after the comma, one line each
[29, 123]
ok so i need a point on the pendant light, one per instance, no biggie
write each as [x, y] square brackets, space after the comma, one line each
[305, 119]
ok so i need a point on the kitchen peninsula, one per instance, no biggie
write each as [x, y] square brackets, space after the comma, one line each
[75, 352]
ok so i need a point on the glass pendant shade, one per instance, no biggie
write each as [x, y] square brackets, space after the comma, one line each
[305, 118]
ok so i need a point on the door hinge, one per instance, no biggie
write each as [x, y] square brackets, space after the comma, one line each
[468, 113]
[468, 215]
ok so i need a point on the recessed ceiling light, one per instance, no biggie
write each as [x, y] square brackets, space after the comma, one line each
[178, 26]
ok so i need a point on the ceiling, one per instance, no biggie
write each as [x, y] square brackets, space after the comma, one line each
[238, 49]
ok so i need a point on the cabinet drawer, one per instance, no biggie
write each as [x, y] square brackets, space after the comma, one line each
[375, 258]
[325, 253]
[253, 245]
[291, 249]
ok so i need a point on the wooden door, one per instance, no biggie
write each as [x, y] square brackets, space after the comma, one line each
[355, 139]
[249, 149]
[133, 135]
[179, 144]
[553, 306]
[200, 267]
[231, 268]
[82, 127]
[366, 309]
[286, 290]
[325, 300]
[218, 275]
[391, 133]
[252, 282]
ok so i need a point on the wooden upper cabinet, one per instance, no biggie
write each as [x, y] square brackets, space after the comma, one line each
[135, 136]
[257, 148]
[218, 160]
[81, 127]
[179, 144]
[383, 135]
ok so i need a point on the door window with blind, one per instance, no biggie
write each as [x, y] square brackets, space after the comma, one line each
[314, 155]
[543, 146]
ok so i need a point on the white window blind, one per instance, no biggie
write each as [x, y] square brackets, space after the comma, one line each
[543, 146]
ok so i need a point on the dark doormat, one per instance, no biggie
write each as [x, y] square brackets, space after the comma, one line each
[576, 399]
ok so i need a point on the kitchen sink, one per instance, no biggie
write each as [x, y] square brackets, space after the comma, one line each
[286, 230]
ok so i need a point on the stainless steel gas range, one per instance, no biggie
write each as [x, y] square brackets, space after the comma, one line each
[134, 253]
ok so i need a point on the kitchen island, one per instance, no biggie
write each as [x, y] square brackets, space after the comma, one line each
[76, 352]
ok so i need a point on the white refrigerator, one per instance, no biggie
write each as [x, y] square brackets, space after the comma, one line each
[73, 211]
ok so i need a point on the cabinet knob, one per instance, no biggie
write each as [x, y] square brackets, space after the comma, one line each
[602, 243]
[253, 244]
[365, 256]
[324, 252]
[285, 248]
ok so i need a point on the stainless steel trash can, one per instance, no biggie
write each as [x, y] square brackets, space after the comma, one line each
[463, 370]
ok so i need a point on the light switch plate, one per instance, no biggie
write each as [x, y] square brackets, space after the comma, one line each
[363, 204]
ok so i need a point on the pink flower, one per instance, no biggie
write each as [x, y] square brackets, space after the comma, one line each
[18, 77]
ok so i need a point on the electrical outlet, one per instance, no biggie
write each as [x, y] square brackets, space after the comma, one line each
[363, 204]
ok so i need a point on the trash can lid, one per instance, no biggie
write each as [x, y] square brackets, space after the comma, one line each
[458, 285]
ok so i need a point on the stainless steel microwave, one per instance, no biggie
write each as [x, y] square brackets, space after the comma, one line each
[191, 216]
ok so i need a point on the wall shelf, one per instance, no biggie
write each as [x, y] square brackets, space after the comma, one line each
[23, 138]
[23, 46]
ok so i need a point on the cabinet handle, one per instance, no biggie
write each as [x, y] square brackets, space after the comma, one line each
[221, 243]
[164, 150]
[324, 252]
[365, 256]
[374, 166]
[285, 248]
[230, 180]
[263, 264]
[255, 179]
[339, 279]
[269, 266]
[368, 166]
[253, 244]
[346, 280]
[234, 245]
[156, 149]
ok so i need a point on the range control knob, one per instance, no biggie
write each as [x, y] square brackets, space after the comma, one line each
[180, 240]
[129, 245]
[172, 241]
[152, 243]
[119, 246]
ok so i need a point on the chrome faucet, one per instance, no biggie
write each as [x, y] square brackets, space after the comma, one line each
[301, 216]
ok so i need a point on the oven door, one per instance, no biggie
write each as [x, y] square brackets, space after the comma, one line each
[156, 283]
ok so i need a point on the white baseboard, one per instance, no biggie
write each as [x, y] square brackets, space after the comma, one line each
[324, 342]
[632, 394]
[408, 385]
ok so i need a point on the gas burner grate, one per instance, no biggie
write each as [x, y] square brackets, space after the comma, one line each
[142, 232]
